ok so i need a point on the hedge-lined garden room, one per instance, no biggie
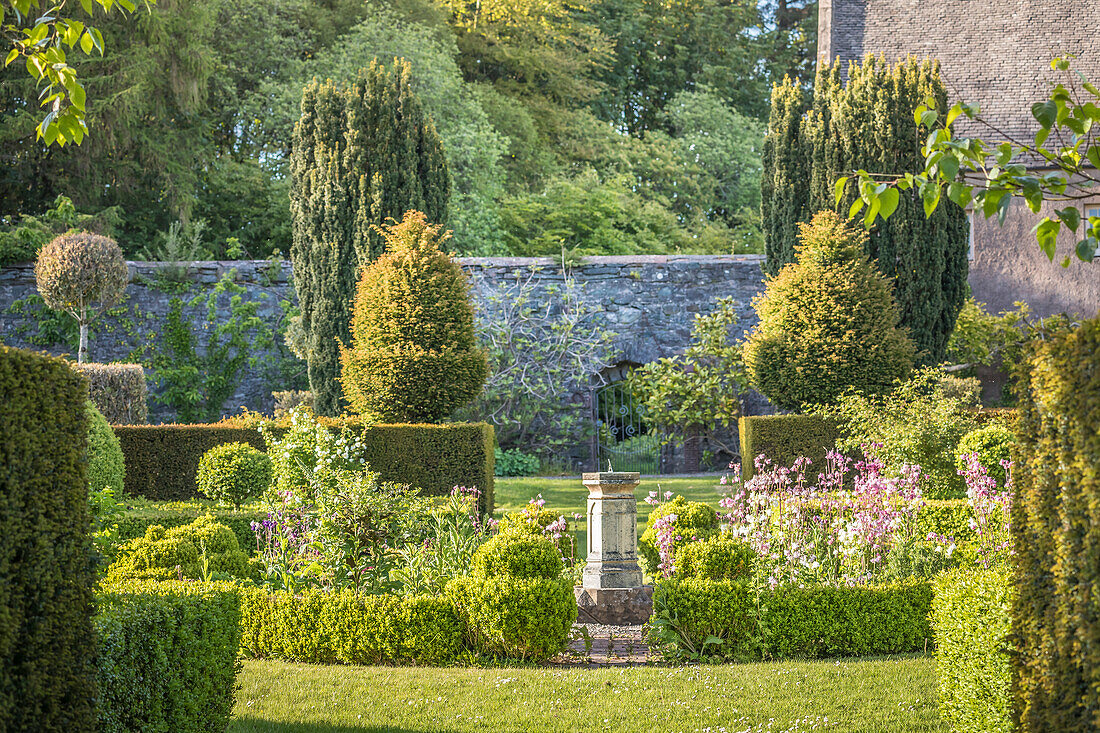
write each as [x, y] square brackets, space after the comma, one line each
[431, 365]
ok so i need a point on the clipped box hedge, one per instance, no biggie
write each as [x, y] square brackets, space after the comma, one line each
[167, 656]
[119, 391]
[1056, 535]
[177, 514]
[162, 460]
[791, 622]
[784, 438]
[47, 650]
[971, 625]
[325, 628]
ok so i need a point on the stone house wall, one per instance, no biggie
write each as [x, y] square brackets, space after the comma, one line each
[998, 55]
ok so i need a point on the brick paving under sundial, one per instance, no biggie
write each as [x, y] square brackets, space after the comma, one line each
[610, 646]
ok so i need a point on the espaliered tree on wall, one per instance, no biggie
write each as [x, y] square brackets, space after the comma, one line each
[363, 154]
[861, 118]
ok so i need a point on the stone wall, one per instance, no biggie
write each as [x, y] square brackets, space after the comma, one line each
[649, 302]
[998, 55]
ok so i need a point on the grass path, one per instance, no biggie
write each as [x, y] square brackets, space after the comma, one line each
[890, 695]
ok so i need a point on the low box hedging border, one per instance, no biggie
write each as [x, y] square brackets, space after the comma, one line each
[321, 627]
[784, 438]
[119, 391]
[846, 622]
[792, 622]
[971, 626]
[162, 460]
[136, 520]
[167, 656]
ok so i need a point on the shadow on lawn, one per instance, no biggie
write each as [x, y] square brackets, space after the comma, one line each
[249, 724]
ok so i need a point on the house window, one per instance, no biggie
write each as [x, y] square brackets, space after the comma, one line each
[1093, 211]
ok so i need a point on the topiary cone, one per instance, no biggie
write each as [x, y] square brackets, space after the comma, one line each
[414, 356]
[827, 323]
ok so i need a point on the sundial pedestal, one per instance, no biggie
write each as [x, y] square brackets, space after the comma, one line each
[611, 589]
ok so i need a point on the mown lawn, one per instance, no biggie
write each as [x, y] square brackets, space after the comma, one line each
[568, 495]
[888, 695]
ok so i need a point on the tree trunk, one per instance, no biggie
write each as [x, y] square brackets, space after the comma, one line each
[82, 352]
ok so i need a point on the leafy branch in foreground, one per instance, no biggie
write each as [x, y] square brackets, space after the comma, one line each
[40, 35]
[1060, 165]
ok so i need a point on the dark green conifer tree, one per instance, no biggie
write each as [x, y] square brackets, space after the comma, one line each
[363, 154]
[786, 169]
[864, 120]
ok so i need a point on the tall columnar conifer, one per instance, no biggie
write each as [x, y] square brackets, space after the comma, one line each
[363, 153]
[863, 119]
[783, 187]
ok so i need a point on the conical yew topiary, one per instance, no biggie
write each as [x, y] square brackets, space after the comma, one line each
[413, 357]
[828, 322]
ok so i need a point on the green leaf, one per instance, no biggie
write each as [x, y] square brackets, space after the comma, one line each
[839, 188]
[889, 199]
[959, 193]
[1091, 89]
[12, 56]
[1093, 154]
[928, 118]
[872, 211]
[949, 167]
[1070, 216]
[855, 209]
[1045, 112]
[953, 114]
[76, 96]
[86, 43]
[1086, 249]
[931, 200]
[1041, 136]
[1047, 234]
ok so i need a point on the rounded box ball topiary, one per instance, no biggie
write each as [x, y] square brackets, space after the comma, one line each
[517, 554]
[233, 473]
[526, 618]
[992, 444]
[718, 558]
[694, 521]
[190, 551]
[106, 465]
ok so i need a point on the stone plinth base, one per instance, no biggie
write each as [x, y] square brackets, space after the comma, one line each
[614, 606]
